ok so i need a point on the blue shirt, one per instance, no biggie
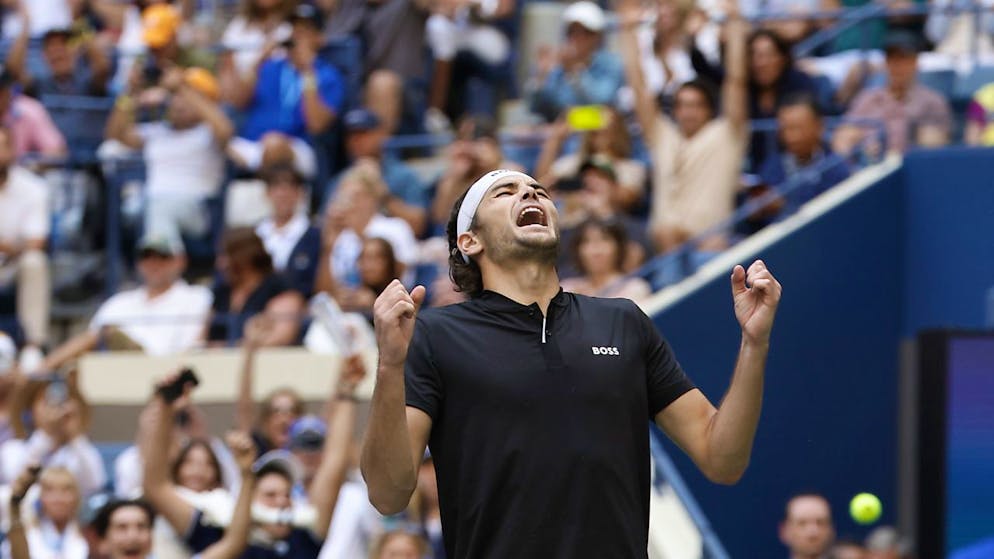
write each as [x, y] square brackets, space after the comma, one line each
[277, 105]
[597, 84]
[824, 171]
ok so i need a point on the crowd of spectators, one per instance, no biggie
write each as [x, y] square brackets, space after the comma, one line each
[262, 134]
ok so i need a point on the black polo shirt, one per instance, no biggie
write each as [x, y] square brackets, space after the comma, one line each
[540, 438]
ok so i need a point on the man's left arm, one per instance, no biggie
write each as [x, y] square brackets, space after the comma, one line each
[320, 95]
[720, 440]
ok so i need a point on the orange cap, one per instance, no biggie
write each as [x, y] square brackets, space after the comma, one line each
[203, 81]
[160, 23]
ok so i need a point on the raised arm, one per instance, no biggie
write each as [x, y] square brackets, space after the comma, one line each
[72, 348]
[720, 440]
[256, 331]
[15, 535]
[121, 124]
[334, 466]
[100, 64]
[396, 435]
[236, 535]
[18, 53]
[155, 427]
[629, 18]
[221, 126]
[734, 91]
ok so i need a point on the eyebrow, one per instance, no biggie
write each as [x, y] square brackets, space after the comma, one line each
[498, 187]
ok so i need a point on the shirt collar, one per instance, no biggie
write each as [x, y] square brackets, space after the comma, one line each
[498, 302]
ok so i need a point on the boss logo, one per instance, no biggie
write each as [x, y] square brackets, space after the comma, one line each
[605, 350]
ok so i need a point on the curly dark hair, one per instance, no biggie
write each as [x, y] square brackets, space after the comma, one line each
[465, 275]
[101, 522]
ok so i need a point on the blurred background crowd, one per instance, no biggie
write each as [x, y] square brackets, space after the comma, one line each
[221, 173]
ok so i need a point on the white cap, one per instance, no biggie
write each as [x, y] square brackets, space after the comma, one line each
[8, 353]
[587, 14]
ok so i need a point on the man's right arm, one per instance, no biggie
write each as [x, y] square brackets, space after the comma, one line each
[396, 435]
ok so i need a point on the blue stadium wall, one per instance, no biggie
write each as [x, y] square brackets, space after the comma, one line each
[913, 251]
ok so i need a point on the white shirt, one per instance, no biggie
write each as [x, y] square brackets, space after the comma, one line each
[168, 324]
[129, 470]
[183, 163]
[45, 15]
[247, 41]
[79, 456]
[393, 230]
[23, 207]
[44, 542]
[279, 241]
[657, 79]
[354, 524]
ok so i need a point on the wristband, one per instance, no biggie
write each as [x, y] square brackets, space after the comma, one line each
[309, 82]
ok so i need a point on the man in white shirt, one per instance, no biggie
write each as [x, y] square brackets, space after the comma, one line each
[163, 317]
[290, 239]
[24, 227]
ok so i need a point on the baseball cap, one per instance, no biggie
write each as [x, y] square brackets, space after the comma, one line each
[202, 81]
[8, 353]
[901, 41]
[160, 22]
[587, 14]
[600, 163]
[163, 245]
[279, 461]
[361, 120]
[308, 13]
[307, 433]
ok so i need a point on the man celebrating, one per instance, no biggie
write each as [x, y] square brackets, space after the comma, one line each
[534, 400]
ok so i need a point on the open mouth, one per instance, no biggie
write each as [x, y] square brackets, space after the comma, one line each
[532, 215]
[133, 552]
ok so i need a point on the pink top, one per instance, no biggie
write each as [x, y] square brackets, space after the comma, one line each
[34, 132]
[920, 107]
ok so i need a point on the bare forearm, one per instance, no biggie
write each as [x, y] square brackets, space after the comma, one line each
[18, 540]
[245, 409]
[219, 123]
[386, 461]
[317, 115]
[70, 350]
[156, 441]
[733, 428]
[335, 459]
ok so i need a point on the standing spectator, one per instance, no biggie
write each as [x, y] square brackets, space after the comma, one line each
[666, 61]
[912, 114]
[67, 73]
[406, 196]
[807, 528]
[466, 45]
[598, 251]
[249, 286]
[58, 416]
[612, 143]
[184, 154]
[162, 317]
[980, 118]
[353, 215]
[290, 239]
[581, 71]
[377, 266]
[697, 156]
[259, 26]
[53, 533]
[288, 98]
[30, 129]
[24, 227]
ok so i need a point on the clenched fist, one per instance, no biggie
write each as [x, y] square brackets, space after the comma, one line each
[393, 317]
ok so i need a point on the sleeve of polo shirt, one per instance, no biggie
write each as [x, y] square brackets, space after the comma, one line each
[665, 379]
[422, 382]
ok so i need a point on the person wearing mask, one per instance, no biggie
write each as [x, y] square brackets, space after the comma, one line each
[581, 71]
[291, 240]
[807, 530]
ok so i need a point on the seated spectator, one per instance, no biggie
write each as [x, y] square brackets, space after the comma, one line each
[399, 544]
[911, 113]
[353, 215]
[58, 417]
[377, 267]
[67, 73]
[466, 45]
[271, 493]
[407, 196]
[259, 26]
[184, 153]
[666, 62]
[612, 143]
[697, 156]
[806, 164]
[53, 531]
[290, 239]
[42, 516]
[29, 128]
[24, 229]
[269, 422]
[248, 285]
[581, 71]
[598, 249]
[475, 151]
[979, 129]
[163, 317]
[288, 98]
[772, 78]
[807, 528]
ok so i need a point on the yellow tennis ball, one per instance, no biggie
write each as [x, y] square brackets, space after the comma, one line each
[865, 508]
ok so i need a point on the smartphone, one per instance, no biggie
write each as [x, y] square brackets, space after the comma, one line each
[172, 391]
[585, 118]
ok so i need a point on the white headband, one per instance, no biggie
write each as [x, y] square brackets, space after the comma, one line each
[467, 211]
